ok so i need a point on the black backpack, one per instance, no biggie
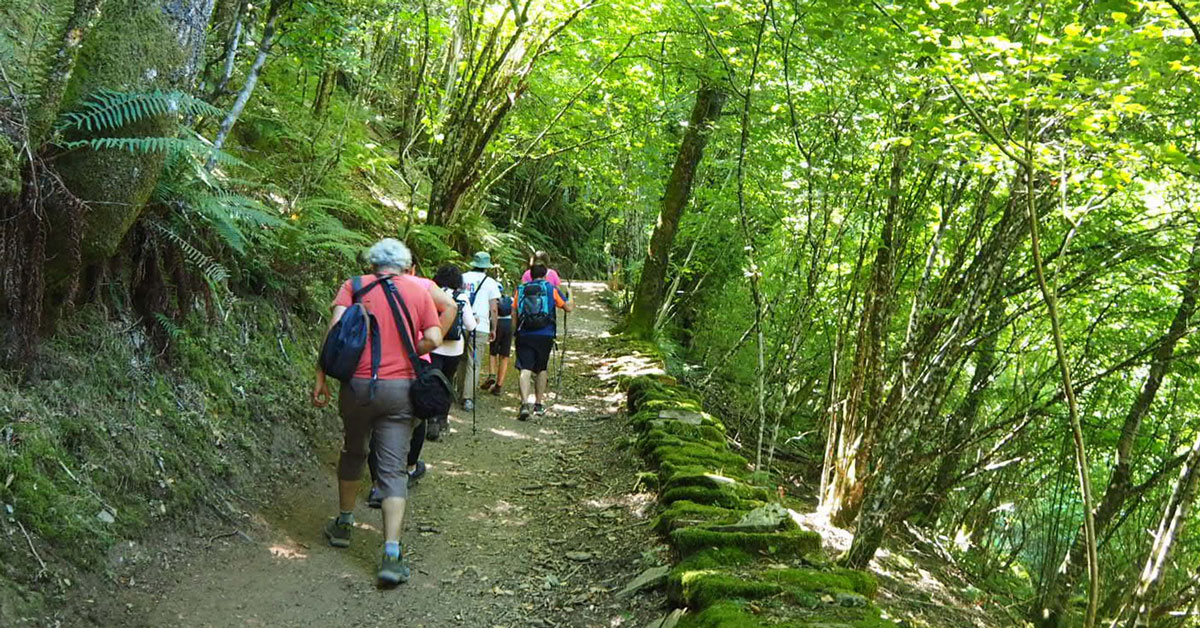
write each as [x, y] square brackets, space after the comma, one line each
[349, 337]
[458, 330]
[505, 306]
[535, 305]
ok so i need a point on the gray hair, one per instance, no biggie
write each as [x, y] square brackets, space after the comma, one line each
[389, 253]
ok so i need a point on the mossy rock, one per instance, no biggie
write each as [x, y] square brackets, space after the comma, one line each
[687, 431]
[684, 513]
[709, 497]
[668, 470]
[696, 454]
[742, 614]
[791, 543]
[717, 481]
[648, 387]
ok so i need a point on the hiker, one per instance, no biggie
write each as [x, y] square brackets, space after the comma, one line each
[484, 299]
[376, 401]
[449, 279]
[536, 330]
[416, 467]
[542, 258]
[500, 349]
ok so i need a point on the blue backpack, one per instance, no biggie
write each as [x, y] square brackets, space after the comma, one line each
[535, 305]
[349, 337]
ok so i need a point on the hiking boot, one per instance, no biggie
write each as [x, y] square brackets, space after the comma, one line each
[338, 533]
[526, 411]
[393, 571]
[539, 409]
[489, 382]
[496, 390]
[417, 473]
[469, 405]
[375, 499]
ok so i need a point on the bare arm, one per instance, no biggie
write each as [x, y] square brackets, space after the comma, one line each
[446, 307]
[494, 307]
[432, 337]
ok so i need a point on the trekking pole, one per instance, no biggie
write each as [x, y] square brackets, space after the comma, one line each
[562, 349]
[475, 386]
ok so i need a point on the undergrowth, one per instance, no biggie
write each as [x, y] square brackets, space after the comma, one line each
[116, 439]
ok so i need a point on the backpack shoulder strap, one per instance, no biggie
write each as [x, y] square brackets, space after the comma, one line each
[403, 323]
[478, 289]
[359, 291]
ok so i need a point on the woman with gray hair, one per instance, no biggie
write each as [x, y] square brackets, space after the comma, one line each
[376, 402]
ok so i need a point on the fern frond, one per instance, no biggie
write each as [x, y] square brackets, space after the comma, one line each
[173, 331]
[107, 109]
[213, 271]
[167, 145]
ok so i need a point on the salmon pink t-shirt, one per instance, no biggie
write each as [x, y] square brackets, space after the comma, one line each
[551, 276]
[393, 361]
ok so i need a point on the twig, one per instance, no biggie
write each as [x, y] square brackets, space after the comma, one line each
[32, 548]
[228, 535]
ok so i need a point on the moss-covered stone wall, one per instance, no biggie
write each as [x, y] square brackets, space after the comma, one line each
[742, 559]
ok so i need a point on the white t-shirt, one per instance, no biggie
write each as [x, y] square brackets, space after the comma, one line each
[455, 347]
[483, 301]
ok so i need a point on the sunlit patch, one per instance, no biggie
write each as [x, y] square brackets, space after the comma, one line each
[288, 549]
[511, 434]
[560, 407]
[365, 526]
[548, 432]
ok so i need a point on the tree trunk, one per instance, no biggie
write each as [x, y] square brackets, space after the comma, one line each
[849, 436]
[62, 64]
[264, 49]
[137, 46]
[1169, 528]
[1049, 610]
[649, 293]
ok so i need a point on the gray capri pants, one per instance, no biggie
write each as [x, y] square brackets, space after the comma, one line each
[389, 416]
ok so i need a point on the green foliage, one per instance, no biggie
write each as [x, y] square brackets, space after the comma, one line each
[109, 110]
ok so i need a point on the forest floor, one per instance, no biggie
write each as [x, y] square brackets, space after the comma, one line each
[533, 523]
[516, 524]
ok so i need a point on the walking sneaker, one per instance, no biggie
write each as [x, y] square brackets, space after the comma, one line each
[375, 499]
[496, 390]
[539, 409]
[469, 405]
[338, 533]
[417, 473]
[393, 571]
[489, 382]
[526, 410]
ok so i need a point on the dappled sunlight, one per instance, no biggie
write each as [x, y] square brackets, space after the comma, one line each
[513, 435]
[562, 407]
[288, 551]
[639, 505]
[367, 527]
[628, 366]
[502, 512]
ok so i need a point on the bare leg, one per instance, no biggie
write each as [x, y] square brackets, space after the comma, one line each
[543, 382]
[347, 494]
[527, 386]
[502, 371]
[393, 518]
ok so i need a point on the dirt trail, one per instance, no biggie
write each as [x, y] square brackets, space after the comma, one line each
[520, 524]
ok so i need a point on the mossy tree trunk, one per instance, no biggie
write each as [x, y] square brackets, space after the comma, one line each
[137, 45]
[648, 296]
